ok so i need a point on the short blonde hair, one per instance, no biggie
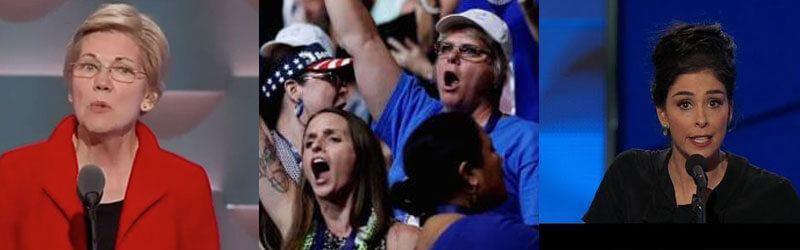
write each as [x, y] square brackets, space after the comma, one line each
[140, 27]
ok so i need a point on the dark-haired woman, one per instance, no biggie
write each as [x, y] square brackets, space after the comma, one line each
[343, 203]
[693, 93]
[454, 179]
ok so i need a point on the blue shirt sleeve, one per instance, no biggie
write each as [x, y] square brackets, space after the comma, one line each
[529, 189]
[528, 173]
[488, 231]
[408, 107]
[407, 101]
[517, 140]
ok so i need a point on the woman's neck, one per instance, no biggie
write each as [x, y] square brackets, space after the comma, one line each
[337, 215]
[717, 164]
[107, 150]
[482, 113]
[461, 200]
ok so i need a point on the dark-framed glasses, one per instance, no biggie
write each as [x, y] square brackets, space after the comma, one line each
[118, 71]
[467, 52]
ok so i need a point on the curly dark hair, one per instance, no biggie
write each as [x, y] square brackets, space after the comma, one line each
[689, 48]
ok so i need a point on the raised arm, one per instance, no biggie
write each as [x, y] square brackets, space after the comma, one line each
[276, 190]
[376, 71]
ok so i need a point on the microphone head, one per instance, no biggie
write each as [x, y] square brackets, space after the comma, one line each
[91, 182]
[695, 160]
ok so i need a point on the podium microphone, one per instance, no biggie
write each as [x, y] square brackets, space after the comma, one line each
[696, 166]
[91, 181]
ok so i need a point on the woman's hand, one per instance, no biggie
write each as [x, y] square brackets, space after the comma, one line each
[411, 57]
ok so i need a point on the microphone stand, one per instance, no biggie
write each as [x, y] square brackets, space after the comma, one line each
[699, 199]
[91, 181]
[92, 211]
[91, 204]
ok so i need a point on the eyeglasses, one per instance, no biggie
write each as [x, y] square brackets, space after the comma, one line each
[118, 71]
[467, 52]
[333, 79]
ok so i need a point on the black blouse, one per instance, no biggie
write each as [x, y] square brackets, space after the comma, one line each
[637, 188]
[107, 224]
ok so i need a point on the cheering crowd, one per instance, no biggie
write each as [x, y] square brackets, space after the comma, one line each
[372, 143]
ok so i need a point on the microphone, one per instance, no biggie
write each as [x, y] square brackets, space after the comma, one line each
[91, 182]
[696, 166]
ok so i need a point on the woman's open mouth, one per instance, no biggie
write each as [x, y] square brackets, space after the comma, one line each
[319, 166]
[451, 81]
[701, 140]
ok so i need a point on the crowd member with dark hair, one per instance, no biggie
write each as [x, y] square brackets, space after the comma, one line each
[692, 91]
[454, 179]
[303, 78]
[472, 65]
[343, 199]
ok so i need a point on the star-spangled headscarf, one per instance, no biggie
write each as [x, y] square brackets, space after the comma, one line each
[291, 67]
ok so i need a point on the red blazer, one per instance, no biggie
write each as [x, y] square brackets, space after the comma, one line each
[167, 204]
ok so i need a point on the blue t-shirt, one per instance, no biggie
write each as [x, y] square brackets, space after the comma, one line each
[488, 231]
[514, 139]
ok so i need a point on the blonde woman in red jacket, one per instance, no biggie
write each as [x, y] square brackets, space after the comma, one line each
[114, 68]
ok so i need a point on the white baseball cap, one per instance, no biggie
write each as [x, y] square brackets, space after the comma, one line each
[298, 34]
[490, 23]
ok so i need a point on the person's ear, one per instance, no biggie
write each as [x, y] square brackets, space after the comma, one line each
[663, 119]
[342, 92]
[662, 116]
[470, 175]
[730, 112]
[293, 90]
[149, 102]
[473, 178]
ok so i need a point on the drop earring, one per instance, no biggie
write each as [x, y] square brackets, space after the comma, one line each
[474, 197]
[665, 129]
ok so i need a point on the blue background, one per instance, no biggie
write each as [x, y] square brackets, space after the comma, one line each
[572, 87]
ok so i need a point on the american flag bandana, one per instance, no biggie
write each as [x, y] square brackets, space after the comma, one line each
[292, 66]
